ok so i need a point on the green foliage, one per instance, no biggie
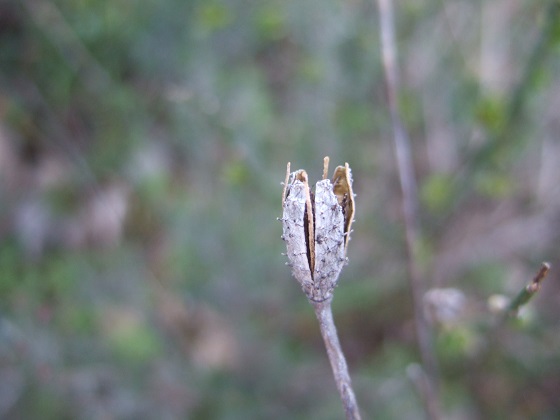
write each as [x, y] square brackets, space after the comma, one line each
[39, 283]
[491, 114]
[456, 344]
[134, 343]
[487, 278]
[214, 15]
[9, 269]
[437, 192]
[77, 319]
[493, 184]
[356, 118]
[271, 21]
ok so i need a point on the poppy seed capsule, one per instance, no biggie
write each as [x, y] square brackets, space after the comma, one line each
[316, 226]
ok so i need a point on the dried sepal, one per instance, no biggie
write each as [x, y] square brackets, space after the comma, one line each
[342, 187]
[316, 227]
[293, 226]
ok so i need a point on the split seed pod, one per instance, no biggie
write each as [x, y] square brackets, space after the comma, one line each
[316, 228]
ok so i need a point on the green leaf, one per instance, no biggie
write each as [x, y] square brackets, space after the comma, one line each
[437, 192]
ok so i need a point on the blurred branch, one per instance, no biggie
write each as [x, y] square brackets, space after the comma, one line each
[511, 133]
[339, 367]
[407, 179]
[506, 310]
[527, 293]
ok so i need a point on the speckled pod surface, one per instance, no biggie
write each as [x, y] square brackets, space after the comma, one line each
[316, 226]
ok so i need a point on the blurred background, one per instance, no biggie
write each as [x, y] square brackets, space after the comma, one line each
[142, 146]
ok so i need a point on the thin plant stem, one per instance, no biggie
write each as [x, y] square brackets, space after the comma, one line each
[527, 293]
[407, 180]
[339, 367]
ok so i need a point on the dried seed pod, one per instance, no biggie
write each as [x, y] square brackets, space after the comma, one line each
[316, 228]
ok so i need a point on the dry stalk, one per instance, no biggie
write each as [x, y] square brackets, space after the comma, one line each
[407, 179]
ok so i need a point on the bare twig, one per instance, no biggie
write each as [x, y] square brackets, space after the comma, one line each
[336, 357]
[527, 292]
[409, 204]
